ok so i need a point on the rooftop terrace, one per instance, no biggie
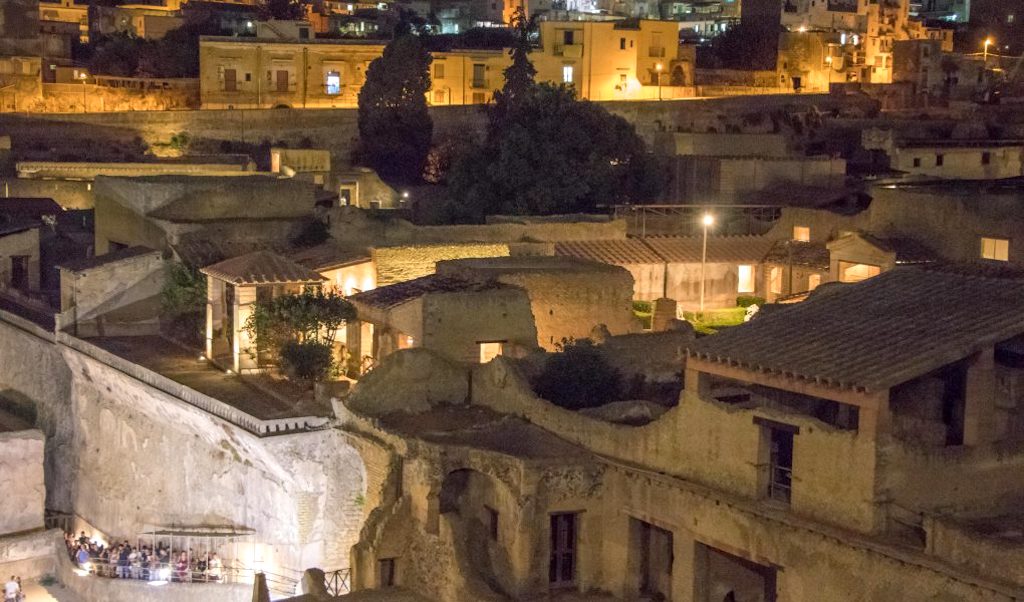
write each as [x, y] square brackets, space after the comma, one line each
[261, 396]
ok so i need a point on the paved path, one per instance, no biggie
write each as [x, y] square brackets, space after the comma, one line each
[54, 593]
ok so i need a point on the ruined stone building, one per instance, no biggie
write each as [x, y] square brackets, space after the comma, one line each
[821, 452]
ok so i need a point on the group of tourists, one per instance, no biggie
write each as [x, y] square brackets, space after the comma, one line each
[158, 563]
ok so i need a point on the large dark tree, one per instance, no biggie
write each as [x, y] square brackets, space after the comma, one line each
[748, 45]
[395, 128]
[519, 76]
[286, 10]
[550, 153]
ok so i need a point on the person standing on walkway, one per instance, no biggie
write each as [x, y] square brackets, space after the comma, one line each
[12, 590]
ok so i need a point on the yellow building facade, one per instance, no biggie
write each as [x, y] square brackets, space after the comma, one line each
[66, 11]
[606, 60]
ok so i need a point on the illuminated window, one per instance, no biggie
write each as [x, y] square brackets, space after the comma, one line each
[746, 279]
[802, 233]
[438, 70]
[567, 74]
[776, 280]
[855, 272]
[813, 281]
[333, 83]
[995, 248]
[489, 351]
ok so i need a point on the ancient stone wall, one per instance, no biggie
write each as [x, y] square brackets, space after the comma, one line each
[398, 264]
[126, 456]
[22, 491]
[333, 129]
[815, 563]
[30, 555]
[708, 443]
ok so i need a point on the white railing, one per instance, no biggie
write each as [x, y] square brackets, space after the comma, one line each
[210, 405]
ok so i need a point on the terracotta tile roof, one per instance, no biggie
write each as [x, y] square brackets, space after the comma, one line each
[200, 252]
[34, 208]
[878, 333]
[262, 267]
[393, 295]
[810, 254]
[668, 249]
[329, 255]
[14, 225]
[721, 249]
[624, 251]
[907, 250]
[88, 263]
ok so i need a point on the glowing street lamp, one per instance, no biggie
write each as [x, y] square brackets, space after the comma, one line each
[828, 64]
[988, 42]
[707, 221]
[658, 67]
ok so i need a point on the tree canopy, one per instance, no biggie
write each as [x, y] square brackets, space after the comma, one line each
[299, 330]
[395, 128]
[549, 153]
[285, 10]
[519, 76]
[578, 377]
[174, 55]
[747, 45]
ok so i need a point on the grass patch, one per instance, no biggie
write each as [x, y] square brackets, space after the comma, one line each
[712, 320]
[643, 311]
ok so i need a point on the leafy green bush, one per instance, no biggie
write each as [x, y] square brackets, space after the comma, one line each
[299, 330]
[310, 360]
[578, 377]
[748, 300]
[642, 310]
[183, 300]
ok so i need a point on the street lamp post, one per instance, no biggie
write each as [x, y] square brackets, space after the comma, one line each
[707, 220]
[988, 42]
[828, 65]
[658, 67]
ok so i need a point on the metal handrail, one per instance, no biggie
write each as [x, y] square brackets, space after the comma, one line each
[338, 582]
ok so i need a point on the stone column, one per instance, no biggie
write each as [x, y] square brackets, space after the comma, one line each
[212, 309]
[245, 347]
[663, 311]
[979, 400]
[354, 344]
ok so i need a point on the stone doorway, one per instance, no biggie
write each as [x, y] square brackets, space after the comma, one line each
[724, 577]
[652, 553]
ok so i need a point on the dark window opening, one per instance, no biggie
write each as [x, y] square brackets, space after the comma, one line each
[19, 272]
[386, 572]
[780, 463]
[562, 565]
[835, 414]
[492, 522]
[986, 158]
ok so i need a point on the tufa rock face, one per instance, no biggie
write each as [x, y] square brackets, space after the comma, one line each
[21, 481]
[410, 380]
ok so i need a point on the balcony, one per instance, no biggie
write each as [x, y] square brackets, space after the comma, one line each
[572, 51]
[479, 84]
[656, 52]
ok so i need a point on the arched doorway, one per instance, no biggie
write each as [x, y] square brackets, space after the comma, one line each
[479, 510]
